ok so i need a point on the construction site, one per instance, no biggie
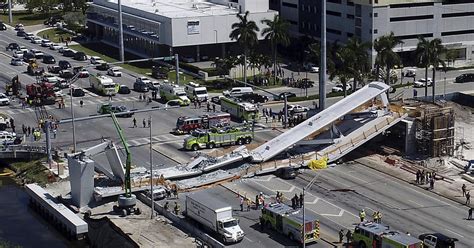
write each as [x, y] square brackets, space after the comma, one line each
[404, 136]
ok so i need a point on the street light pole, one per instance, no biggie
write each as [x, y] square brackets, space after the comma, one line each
[176, 58]
[322, 69]
[444, 91]
[74, 149]
[308, 186]
[10, 16]
[151, 173]
[121, 48]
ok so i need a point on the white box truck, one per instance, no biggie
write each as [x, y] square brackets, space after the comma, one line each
[213, 214]
[196, 92]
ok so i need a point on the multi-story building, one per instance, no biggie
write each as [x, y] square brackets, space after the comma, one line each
[450, 20]
[192, 28]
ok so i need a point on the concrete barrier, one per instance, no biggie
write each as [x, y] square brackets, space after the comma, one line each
[182, 223]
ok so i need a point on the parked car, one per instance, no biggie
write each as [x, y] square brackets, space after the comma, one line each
[254, 98]
[153, 85]
[80, 56]
[54, 69]
[288, 94]
[295, 108]
[422, 82]
[102, 67]
[38, 54]
[83, 72]
[64, 64]
[63, 49]
[18, 54]
[69, 53]
[28, 57]
[12, 46]
[108, 108]
[66, 74]
[3, 26]
[16, 61]
[36, 40]
[123, 89]
[55, 46]
[437, 240]
[410, 72]
[310, 67]
[19, 26]
[48, 59]
[464, 78]
[286, 173]
[4, 100]
[95, 60]
[21, 33]
[114, 71]
[22, 48]
[340, 87]
[53, 20]
[140, 87]
[46, 43]
[29, 36]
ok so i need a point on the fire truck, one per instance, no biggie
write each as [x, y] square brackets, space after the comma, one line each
[186, 124]
[370, 234]
[41, 93]
[288, 221]
[218, 137]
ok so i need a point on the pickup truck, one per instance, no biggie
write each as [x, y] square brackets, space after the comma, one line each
[214, 214]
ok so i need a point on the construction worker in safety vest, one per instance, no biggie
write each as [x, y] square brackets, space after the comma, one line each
[375, 215]
[379, 217]
[362, 215]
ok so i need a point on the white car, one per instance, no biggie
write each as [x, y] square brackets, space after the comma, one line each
[295, 108]
[114, 71]
[29, 36]
[143, 80]
[54, 46]
[36, 40]
[340, 88]
[16, 61]
[96, 60]
[38, 54]
[422, 82]
[7, 138]
[4, 99]
[46, 43]
[18, 54]
[311, 67]
[51, 79]
[22, 49]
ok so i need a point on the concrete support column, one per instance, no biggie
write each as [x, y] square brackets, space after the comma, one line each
[198, 53]
[223, 50]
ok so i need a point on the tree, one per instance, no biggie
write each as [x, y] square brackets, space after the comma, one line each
[361, 63]
[44, 6]
[277, 32]
[343, 60]
[245, 33]
[385, 55]
[437, 49]
[74, 20]
[451, 56]
[423, 54]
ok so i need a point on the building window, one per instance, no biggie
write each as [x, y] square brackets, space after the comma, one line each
[410, 5]
[333, 31]
[415, 36]
[315, 9]
[289, 5]
[350, 16]
[358, 10]
[375, 31]
[292, 22]
[376, 14]
[335, 1]
[459, 32]
[376, 1]
[410, 18]
[333, 13]
[358, 32]
[350, 35]
[370, 15]
[459, 14]
[350, 3]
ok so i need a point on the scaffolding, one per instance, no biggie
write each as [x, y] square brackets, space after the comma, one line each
[435, 130]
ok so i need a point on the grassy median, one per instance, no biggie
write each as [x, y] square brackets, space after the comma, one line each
[54, 34]
[26, 18]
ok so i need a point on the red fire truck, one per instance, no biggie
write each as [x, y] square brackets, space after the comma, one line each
[186, 124]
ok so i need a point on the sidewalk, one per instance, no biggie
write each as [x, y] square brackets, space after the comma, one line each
[448, 187]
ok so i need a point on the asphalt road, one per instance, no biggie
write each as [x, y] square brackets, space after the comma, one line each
[342, 191]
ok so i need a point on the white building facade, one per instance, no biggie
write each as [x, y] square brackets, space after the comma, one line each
[194, 28]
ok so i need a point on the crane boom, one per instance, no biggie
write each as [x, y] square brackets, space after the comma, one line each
[128, 162]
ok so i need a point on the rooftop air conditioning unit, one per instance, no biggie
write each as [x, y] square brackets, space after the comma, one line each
[156, 11]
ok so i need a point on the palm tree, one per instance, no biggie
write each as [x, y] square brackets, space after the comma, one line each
[361, 64]
[277, 32]
[424, 57]
[437, 49]
[386, 56]
[245, 33]
[342, 60]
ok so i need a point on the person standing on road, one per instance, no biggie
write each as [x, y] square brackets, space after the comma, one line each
[176, 208]
[379, 217]
[463, 189]
[249, 204]
[362, 215]
[213, 108]
[134, 122]
[149, 122]
[297, 201]
[241, 204]
[293, 203]
[301, 200]
[208, 105]
[81, 103]
[468, 198]
[144, 123]
[166, 207]
[256, 202]
[341, 236]
[349, 237]
[432, 181]
[375, 216]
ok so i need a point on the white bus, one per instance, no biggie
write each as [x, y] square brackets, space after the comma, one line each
[195, 91]
[103, 85]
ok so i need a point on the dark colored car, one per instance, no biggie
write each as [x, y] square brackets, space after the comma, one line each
[216, 99]
[28, 57]
[53, 20]
[464, 78]
[286, 173]
[159, 72]
[69, 53]
[12, 46]
[124, 89]
[254, 98]
[64, 64]
[281, 96]
[21, 33]
[437, 240]
[66, 74]
[3, 26]
[107, 108]
[78, 92]
[48, 59]
[102, 67]
[80, 56]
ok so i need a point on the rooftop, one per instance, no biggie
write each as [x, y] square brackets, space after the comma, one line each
[179, 8]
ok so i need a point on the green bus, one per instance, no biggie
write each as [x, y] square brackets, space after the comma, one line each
[239, 110]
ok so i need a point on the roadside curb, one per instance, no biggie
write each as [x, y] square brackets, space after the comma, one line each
[409, 182]
[237, 193]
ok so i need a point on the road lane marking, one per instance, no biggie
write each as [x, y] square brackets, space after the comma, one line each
[416, 203]
[455, 233]
[245, 237]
